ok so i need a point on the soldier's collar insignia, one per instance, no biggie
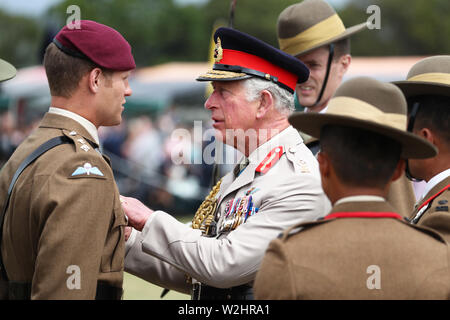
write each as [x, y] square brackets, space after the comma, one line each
[218, 51]
[87, 169]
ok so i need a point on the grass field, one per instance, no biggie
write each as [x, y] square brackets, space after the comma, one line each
[138, 289]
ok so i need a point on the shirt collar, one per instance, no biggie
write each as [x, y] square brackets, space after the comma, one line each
[360, 198]
[89, 126]
[435, 181]
[277, 140]
[324, 110]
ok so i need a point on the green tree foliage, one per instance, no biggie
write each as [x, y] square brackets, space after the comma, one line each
[159, 30]
[408, 27]
[19, 39]
[255, 17]
[164, 30]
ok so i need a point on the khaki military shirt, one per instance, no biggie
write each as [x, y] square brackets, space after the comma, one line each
[273, 194]
[356, 258]
[401, 196]
[433, 210]
[63, 230]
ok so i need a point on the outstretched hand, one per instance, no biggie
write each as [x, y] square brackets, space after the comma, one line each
[136, 212]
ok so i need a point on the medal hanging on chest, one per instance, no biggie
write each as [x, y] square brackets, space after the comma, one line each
[237, 211]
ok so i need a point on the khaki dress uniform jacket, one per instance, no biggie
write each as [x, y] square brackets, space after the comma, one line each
[64, 219]
[289, 192]
[356, 258]
[401, 196]
[434, 209]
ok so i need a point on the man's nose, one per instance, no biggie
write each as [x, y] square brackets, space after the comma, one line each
[128, 91]
[209, 103]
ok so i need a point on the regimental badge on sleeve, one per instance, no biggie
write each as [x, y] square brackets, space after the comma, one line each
[87, 170]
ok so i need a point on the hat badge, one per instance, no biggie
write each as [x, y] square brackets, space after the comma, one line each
[218, 51]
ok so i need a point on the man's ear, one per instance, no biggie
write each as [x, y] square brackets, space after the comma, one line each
[428, 135]
[399, 170]
[344, 63]
[266, 102]
[324, 164]
[94, 78]
[325, 173]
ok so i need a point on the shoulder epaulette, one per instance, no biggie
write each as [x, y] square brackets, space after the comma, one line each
[269, 161]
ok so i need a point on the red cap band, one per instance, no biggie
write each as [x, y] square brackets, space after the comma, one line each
[250, 61]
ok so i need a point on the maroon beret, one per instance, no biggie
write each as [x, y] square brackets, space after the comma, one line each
[96, 42]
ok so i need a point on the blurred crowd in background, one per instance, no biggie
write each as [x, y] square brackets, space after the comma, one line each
[141, 151]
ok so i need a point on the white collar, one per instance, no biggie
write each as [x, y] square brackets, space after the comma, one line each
[262, 150]
[324, 110]
[89, 126]
[360, 198]
[435, 181]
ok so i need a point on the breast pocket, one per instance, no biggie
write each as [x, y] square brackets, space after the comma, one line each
[114, 252]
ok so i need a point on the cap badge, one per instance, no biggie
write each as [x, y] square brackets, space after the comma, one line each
[218, 51]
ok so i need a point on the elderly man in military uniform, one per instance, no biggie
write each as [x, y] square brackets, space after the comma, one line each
[275, 185]
[363, 249]
[313, 32]
[427, 89]
[63, 223]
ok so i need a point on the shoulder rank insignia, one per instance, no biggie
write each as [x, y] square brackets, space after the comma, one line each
[303, 166]
[87, 169]
[270, 160]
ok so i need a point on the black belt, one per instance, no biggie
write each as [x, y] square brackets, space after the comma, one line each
[107, 292]
[203, 292]
[22, 291]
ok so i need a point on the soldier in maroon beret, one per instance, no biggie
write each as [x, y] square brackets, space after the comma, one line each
[62, 223]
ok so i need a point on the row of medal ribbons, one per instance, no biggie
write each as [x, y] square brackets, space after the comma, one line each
[237, 211]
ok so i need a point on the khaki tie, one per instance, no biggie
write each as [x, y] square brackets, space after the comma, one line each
[241, 166]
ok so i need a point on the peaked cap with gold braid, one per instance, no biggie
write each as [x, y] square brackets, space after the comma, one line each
[428, 76]
[372, 105]
[311, 24]
[240, 56]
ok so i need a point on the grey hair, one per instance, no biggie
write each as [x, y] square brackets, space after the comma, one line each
[284, 100]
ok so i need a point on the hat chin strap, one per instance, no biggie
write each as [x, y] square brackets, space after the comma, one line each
[324, 85]
[412, 118]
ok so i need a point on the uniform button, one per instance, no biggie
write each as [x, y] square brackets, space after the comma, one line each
[72, 133]
[292, 149]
